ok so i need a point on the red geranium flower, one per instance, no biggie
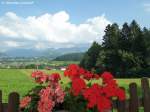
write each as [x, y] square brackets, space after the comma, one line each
[91, 94]
[96, 95]
[103, 104]
[72, 71]
[121, 94]
[110, 89]
[55, 77]
[106, 76]
[25, 101]
[78, 85]
[40, 77]
[88, 75]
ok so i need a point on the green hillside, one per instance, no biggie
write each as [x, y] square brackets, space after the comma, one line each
[70, 57]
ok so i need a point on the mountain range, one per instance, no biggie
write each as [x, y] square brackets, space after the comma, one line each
[49, 53]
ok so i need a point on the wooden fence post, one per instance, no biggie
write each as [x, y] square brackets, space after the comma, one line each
[121, 105]
[13, 102]
[146, 94]
[1, 103]
[133, 102]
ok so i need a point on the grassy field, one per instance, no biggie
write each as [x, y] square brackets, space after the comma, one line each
[19, 80]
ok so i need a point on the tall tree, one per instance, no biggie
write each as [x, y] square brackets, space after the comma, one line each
[125, 41]
[138, 44]
[111, 46]
[111, 36]
[90, 57]
[146, 36]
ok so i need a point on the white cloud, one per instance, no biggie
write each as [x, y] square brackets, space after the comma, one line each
[40, 46]
[50, 30]
[6, 31]
[11, 43]
[147, 7]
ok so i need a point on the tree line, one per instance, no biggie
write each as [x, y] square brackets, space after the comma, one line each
[70, 57]
[124, 51]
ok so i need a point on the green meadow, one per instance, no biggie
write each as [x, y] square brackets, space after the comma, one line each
[19, 80]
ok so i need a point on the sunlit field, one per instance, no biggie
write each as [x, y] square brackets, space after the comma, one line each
[19, 80]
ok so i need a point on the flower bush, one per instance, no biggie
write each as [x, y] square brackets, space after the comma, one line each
[96, 97]
[82, 93]
[45, 96]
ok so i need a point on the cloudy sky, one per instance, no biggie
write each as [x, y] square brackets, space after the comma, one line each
[42, 24]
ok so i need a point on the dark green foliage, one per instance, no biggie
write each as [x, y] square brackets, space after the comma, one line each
[31, 66]
[70, 57]
[90, 58]
[74, 104]
[125, 51]
[111, 37]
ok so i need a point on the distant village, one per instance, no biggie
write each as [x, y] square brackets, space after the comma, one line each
[32, 63]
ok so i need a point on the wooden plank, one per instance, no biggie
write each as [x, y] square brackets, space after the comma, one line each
[13, 102]
[121, 105]
[146, 94]
[1, 104]
[5, 107]
[134, 102]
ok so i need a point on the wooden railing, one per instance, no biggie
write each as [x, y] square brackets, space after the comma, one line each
[12, 105]
[131, 105]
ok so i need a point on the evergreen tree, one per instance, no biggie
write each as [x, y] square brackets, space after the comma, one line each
[146, 36]
[90, 57]
[111, 37]
[125, 41]
[111, 46]
[138, 44]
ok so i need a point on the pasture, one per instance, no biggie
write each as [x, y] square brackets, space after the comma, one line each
[19, 80]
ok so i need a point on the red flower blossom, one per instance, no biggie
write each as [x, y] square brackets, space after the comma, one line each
[48, 97]
[39, 76]
[59, 94]
[75, 71]
[110, 89]
[106, 76]
[55, 77]
[103, 104]
[121, 94]
[45, 106]
[91, 94]
[96, 76]
[46, 94]
[88, 75]
[82, 71]
[72, 71]
[78, 85]
[25, 102]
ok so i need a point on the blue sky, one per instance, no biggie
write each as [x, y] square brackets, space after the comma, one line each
[42, 24]
[115, 10]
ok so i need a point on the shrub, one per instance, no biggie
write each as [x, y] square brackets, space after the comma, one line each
[81, 94]
[90, 97]
[44, 97]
